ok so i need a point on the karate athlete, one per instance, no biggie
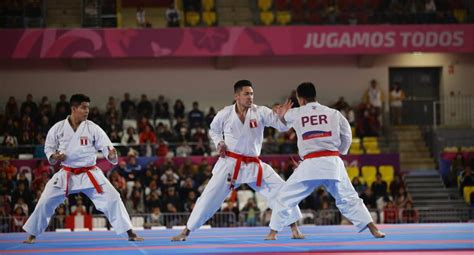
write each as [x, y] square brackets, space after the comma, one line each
[237, 132]
[323, 134]
[74, 143]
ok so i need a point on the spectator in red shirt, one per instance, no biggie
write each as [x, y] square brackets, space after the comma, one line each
[409, 214]
[147, 136]
[9, 169]
[390, 213]
[39, 183]
[41, 168]
[144, 122]
[162, 149]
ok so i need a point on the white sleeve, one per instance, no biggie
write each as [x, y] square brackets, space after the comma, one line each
[345, 134]
[290, 117]
[103, 143]
[51, 144]
[217, 127]
[271, 119]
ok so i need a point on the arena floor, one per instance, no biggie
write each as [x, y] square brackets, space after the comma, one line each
[430, 239]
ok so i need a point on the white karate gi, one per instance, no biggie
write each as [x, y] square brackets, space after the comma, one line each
[320, 128]
[80, 148]
[244, 139]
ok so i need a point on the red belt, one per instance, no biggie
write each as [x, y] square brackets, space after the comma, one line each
[245, 159]
[81, 170]
[318, 154]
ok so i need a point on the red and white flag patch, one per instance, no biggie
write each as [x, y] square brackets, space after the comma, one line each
[84, 140]
[253, 123]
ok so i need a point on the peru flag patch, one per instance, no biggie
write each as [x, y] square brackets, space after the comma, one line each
[253, 123]
[84, 140]
[316, 134]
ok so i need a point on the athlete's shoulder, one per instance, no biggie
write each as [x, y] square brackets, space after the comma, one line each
[226, 109]
[59, 124]
[260, 108]
[91, 124]
[327, 108]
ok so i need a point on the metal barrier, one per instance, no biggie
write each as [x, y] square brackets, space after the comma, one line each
[439, 215]
[229, 219]
[455, 111]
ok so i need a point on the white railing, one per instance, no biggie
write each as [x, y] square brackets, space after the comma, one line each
[229, 219]
[454, 111]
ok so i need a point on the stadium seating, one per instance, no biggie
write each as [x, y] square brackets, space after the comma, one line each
[281, 5]
[368, 172]
[373, 151]
[267, 18]
[193, 18]
[208, 5]
[209, 18]
[265, 5]
[467, 193]
[283, 17]
[355, 148]
[352, 171]
[388, 173]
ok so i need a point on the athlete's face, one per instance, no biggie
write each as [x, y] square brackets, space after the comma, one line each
[244, 97]
[81, 111]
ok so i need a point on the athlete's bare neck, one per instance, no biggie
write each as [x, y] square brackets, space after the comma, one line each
[241, 111]
[74, 122]
[305, 102]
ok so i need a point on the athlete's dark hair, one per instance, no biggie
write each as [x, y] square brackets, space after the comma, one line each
[307, 91]
[77, 99]
[240, 84]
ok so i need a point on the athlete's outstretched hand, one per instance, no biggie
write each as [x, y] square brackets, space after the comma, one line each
[282, 109]
[112, 153]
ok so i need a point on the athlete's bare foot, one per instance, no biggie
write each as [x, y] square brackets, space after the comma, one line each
[30, 240]
[375, 231]
[133, 237]
[295, 232]
[182, 236]
[272, 235]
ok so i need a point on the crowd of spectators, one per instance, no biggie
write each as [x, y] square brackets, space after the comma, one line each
[460, 174]
[142, 124]
[164, 187]
[155, 128]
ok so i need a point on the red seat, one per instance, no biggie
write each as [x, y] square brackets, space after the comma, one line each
[281, 5]
[298, 16]
[325, 2]
[296, 4]
[374, 4]
[456, 4]
[314, 5]
[344, 17]
[360, 3]
[362, 17]
[314, 18]
[343, 4]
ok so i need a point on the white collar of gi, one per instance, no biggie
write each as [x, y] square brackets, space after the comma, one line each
[69, 124]
[313, 103]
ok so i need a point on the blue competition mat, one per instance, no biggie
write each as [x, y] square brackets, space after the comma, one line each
[401, 237]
